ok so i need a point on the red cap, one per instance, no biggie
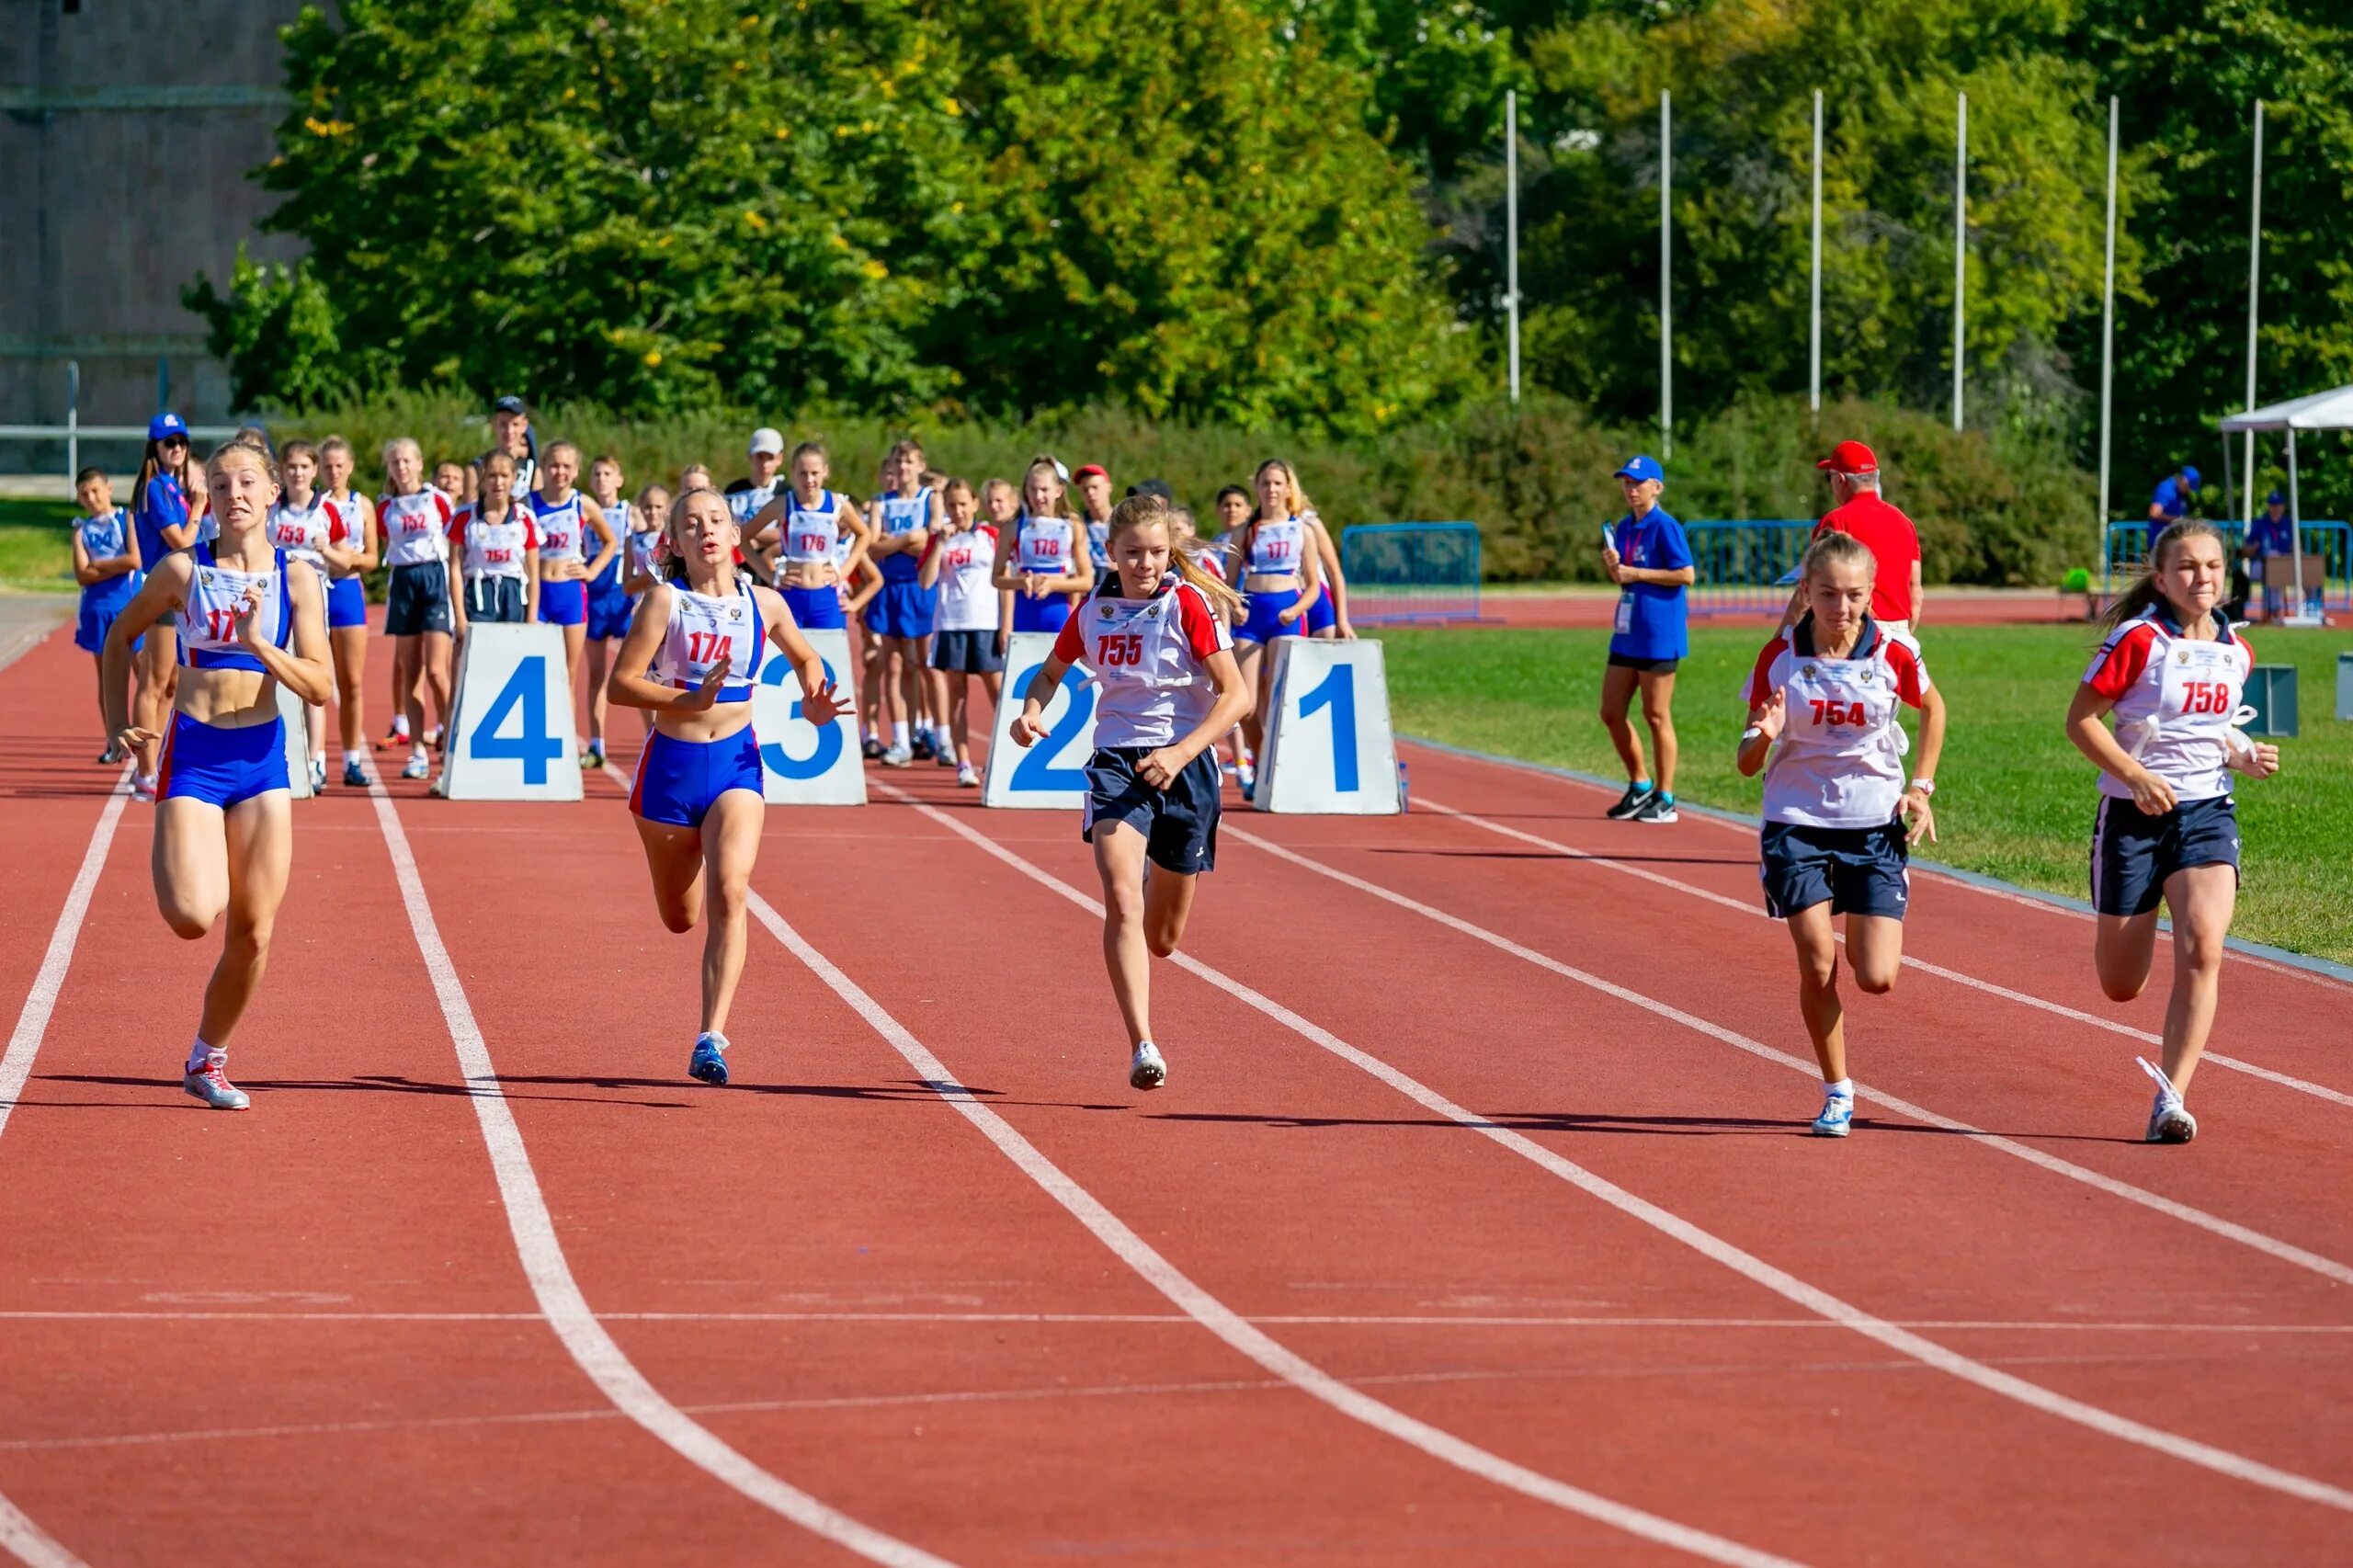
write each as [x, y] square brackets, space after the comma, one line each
[1849, 457]
[1092, 469]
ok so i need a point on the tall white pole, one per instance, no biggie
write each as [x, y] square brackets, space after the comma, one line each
[1665, 274]
[1511, 230]
[1814, 374]
[2108, 335]
[2254, 275]
[1960, 248]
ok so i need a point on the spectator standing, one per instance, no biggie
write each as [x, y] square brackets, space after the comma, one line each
[1857, 508]
[510, 431]
[2171, 500]
[1647, 556]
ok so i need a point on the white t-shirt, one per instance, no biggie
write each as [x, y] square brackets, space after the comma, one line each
[1149, 656]
[414, 526]
[494, 550]
[968, 599]
[2175, 700]
[1839, 760]
[300, 532]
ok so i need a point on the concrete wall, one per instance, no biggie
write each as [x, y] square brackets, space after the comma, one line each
[127, 131]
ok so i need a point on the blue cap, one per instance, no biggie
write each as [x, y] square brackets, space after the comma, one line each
[166, 425]
[2276, 499]
[2190, 474]
[1640, 468]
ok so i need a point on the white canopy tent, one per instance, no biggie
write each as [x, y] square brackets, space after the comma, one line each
[2321, 411]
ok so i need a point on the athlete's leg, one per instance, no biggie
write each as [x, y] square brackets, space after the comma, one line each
[1251, 659]
[2123, 947]
[1120, 859]
[350, 646]
[1874, 948]
[435, 654]
[1658, 714]
[731, 843]
[1618, 686]
[190, 863]
[2203, 899]
[597, 646]
[260, 841]
[575, 642]
[1826, 1020]
[157, 664]
[1167, 904]
[673, 853]
[408, 699]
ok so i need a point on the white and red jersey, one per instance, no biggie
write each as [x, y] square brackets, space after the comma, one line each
[346, 525]
[1044, 547]
[414, 526]
[1276, 546]
[2175, 700]
[489, 548]
[1211, 558]
[704, 629]
[1149, 657]
[1839, 761]
[967, 597]
[298, 531]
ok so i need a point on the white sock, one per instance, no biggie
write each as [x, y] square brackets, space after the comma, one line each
[1843, 1089]
[400, 725]
[199, 1055]
[899, 732]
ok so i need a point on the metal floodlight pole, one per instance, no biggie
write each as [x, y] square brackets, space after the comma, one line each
[1665, 275]
[2254, 278]
[1960, 247]
[72, 419]
[1814, 374]
[2295, 615]
[1511, 230]
[2108, 330]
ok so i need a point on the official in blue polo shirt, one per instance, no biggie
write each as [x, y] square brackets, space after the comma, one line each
[1647, 556]
[2271, 535]
[2170, 503]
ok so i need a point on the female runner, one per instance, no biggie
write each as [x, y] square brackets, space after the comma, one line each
[2171, 671]
[906, 514]
[164, 517]
[1835, 839]
[106, 564]
[1040, 560]
[1170, 688]
[565, 518]
[351, 550]
[968, 637]
[609, 603]
[1281, 574]
[1327, 612]
[299, 522]
[497, 545]
[812, 526]
[689, 660]
[419, 606]
[248, 622]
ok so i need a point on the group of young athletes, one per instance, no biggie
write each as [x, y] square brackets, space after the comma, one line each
[231, 579]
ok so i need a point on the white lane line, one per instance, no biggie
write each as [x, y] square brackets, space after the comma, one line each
[1781, 1283]
[1755, 911]
[19, 1534]
[1223, 1321]
[558, 1294]
[2285, 1252]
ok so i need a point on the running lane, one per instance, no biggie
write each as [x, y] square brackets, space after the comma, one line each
[52, 792]
[1275, 1175]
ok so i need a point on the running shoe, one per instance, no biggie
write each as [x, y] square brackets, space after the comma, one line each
[1630, 803]
[2169, 1120]
[870, 749]
[1250, 791]
[967, 776]
[395, 736]
[1146, 1069]
[709, 1063]
[354, 776]
[111, 757]
[1656, 806]
[946, 757]
[923, 749]
[1837, 1116]
[433, 737]
[143, 787]
[213, 1087]
[318, 775]
[592, 758]
[897, 756]
[417, 766]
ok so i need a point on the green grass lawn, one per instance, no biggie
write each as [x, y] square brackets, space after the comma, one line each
[2013, 799]
[37, 545]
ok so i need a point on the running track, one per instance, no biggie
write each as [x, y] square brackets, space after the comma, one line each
[1476, 1222]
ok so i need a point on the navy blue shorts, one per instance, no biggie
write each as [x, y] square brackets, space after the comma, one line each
[1320, 615]
[97, 618]
[498, 600]
[2133, 853]
[815, 609]
[966, 653]
[1179, 823]
[565, 603]
[418, 600]
[347, 602]
[610, 611]
[902, 609]
[223, 766]
[677, 780]
[1861, 871]
[1264, 624]
[1045, 613]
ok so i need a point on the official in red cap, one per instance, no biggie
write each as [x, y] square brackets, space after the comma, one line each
[1857, 508]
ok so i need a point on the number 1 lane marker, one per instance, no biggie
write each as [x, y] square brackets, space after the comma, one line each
[1713, 1247]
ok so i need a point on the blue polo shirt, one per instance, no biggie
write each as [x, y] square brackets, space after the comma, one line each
[1650, 622]
[2269, 535]
[2172, 500]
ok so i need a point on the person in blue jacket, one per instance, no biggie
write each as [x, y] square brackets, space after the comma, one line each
[167, 509]
[1647, 556]
[2171, 501]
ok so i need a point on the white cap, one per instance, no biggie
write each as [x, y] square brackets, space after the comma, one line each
[770, 441]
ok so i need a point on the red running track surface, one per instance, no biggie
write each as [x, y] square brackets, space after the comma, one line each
[308, 1332]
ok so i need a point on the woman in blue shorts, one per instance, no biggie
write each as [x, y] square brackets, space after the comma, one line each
[1839, 819]
[1041, 558]
[609, 607]
[1282, 576]
[690, 660]
[565, 520]
[906, 514]
[247, 624]
[809, 525]
[167, 509]
[352, 551]
[105, 563]
[2170, 675]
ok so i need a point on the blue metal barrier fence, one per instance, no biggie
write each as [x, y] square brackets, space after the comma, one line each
[2126, 543]
[1402, 573]
[1740, 565]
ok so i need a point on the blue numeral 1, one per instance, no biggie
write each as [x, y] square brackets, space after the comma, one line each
[1339, 693]
[534, 747]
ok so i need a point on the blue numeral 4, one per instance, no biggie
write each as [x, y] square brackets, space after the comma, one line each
[534, 746]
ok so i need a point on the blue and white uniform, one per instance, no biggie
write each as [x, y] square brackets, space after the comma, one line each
[103, 539]
[1835, 782]
[227, 765]
[563, 603]
[677, 780]
[1043, 547]
[637, 549]
[1099, 546]
[608, 601]
[1277, 545]
[2175, 703]
[1323, 615]
[347, 530]
[904, 608]
[160, 504]
[812, 535]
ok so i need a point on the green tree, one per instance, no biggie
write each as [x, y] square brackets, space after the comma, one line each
[277, 330]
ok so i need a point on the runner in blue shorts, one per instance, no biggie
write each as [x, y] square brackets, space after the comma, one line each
[609, 603]
[810, 526]
[352, 550]
[1839, 819]
[1280, 576]
[105, 563]
[1042, 557]
[905, 517]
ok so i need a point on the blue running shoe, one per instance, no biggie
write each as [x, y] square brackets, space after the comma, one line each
[710, 1061]
[1837, 1116]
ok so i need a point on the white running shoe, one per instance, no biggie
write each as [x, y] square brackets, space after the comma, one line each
[143, 787]
[318, 776]
[213, 1087]
[1146, 1069]
[967, 776]
[2169, 1120]
[417, 766]
[898, 756]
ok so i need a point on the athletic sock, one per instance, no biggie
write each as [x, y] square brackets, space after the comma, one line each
[1666, 797]
[1843, 1089]
[899, 732]
[1639, 785]
[199, 1055]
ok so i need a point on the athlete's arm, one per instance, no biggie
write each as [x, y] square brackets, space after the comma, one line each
[860, 598]
[1915, 806]
[1328, 556]
[1919, 598]
[179, 535]
[1082, 564]
[928, 575]
[593, 516]
[1311, 589]
[86, 573]
[305, 672]
[1235, 696]
[862, 535]
[2094, 739]
[629, 685]
[1765, 721]
[1029, 725]
[165, 591]
[1001, 572]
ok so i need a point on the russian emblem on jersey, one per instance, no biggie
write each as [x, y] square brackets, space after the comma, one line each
[2181, 655]
[735, 612]
[1105, 612]
[205, 576]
